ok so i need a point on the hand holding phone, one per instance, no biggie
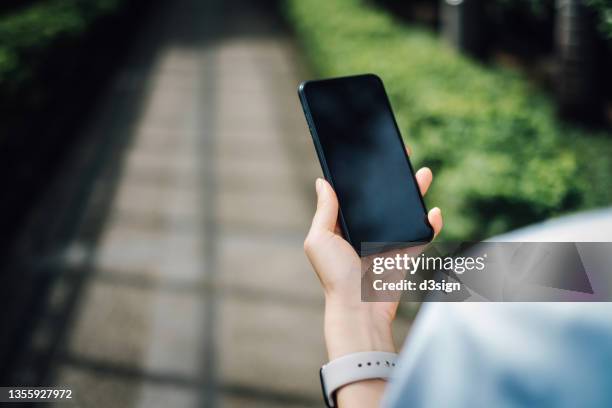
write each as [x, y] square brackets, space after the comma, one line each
[350, 324]
[357, 141]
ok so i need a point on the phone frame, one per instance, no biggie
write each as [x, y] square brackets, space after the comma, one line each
[323, 161]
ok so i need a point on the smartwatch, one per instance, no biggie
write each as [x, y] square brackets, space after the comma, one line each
[351, 368]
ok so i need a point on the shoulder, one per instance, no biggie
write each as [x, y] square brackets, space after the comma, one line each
[523, 353]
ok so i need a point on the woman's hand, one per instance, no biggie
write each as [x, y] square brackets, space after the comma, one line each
[350, 324]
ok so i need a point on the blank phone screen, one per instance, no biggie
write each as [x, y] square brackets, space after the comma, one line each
[366, 161]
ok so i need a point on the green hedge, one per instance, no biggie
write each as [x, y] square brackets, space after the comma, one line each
[500, 158]
[27, 34]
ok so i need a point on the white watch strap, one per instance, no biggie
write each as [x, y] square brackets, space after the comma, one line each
[355, 367]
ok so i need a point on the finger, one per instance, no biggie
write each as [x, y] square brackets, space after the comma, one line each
[424, 177]
[327, 207]
[408, 150]
[435, 219]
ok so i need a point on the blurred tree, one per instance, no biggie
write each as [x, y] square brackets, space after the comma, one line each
[535, 7]
[522, 27]
[463, 25]
[578, 84]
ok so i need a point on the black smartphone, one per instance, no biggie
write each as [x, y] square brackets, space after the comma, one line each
[363, 157]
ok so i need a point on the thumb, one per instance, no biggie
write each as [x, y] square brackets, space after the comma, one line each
[327, 207]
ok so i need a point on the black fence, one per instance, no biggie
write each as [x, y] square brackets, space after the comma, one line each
[40, 125]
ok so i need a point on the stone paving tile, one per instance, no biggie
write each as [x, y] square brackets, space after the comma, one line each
[245, 100]
[232, 88]
[265, 145]
[168, 396]
[267, 53]
[254, 172]
[158, 202]
[175, 167]
[164, 140]
[93, 389]
[180, 60]
[245, 122]
[262, 209]
[241, 402]
[175, 342]
[251, 148]
[174, 85]
[159, 175]
[270, 264]
[252, 126]
[173, 256]
[270, 344]
[244, 103]
[148, 330]
[170, 90]
[165, 119]
[125, 312]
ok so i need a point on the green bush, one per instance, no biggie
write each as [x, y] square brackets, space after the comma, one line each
[27, 34]
[500, 158]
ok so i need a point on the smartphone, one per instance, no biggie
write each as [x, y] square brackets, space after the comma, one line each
[363, 157]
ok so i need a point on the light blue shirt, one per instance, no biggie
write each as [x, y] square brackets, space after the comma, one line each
[507, 355]
[512, 354]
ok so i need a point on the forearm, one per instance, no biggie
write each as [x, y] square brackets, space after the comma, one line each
[351, 329]
[351, 326]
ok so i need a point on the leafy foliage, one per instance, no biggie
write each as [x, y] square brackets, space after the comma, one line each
[500, 158]
[27, 33]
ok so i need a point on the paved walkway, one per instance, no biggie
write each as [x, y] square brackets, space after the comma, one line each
[179, 279]
[198, 293]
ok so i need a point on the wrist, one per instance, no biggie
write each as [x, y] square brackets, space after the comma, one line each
[351, 328]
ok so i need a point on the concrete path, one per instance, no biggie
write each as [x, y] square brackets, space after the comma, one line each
[176, 271]
[199, 293]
